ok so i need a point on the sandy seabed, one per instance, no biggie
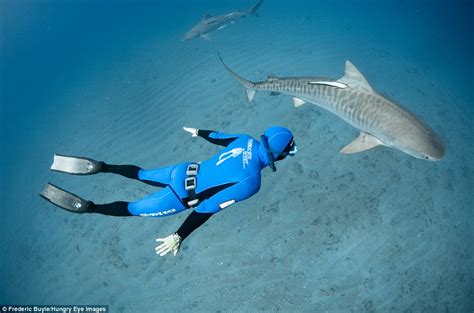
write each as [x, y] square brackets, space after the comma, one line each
[373, 232]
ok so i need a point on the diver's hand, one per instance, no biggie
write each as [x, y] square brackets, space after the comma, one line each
[170, 243]
[193, 131]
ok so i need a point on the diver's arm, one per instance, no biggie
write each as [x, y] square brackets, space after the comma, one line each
[212, 136]
[192, 222]
[216, 138]
[173, 241]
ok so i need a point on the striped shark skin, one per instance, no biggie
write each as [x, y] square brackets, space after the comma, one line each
[381, 121]
[210, 23]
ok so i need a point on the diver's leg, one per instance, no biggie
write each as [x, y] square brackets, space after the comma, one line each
[73, 203]
[86, 166]
[118, 208]
[160, 177]
[129, 171]
[162, 203]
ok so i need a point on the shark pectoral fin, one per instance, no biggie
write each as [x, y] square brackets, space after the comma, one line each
[250, 94]
[206, 36]
[297, 102]
[222, 26]
[362, 143]
[274, 93]
[354, 78]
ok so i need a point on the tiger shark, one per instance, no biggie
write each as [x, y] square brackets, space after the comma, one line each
[210, 23]
[381, 121]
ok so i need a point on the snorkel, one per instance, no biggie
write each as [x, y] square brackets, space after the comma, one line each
[271, 159]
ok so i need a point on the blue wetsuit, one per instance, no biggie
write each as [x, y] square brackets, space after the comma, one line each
[230, 176]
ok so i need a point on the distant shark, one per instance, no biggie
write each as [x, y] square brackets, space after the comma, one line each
[210, 23]
[381, 121]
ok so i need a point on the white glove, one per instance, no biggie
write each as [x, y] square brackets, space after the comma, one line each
[193, 131]
[170, 243]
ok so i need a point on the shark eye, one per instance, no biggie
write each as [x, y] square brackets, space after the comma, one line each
[426, 157]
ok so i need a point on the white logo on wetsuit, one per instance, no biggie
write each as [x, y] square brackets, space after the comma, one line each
[163, 213]
[229, 154]
[247, 156]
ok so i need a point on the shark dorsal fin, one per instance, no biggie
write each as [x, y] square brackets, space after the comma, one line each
[354, 78]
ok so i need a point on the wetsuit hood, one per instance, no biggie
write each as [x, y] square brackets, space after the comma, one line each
[275, 144]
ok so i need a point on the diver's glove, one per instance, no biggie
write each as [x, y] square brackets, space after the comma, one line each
[170, 243]
[193, 131]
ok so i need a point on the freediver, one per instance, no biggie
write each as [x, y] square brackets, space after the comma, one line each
[232, 175]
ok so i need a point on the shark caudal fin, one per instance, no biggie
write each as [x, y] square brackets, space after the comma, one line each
[249, 85]
[253, 9]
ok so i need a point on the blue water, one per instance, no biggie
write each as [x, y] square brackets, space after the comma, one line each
[378, 231]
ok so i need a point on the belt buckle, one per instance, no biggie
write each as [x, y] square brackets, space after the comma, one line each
[190, 183]
[192, 169]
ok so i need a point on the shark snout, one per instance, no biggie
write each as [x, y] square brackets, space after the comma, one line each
[437, 150]
[186, 37]
[190, 36]
[430, 147]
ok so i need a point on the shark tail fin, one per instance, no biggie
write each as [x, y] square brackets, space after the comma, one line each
[249, 85]
[253, 9]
